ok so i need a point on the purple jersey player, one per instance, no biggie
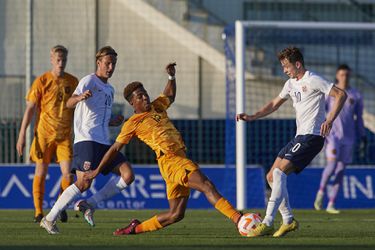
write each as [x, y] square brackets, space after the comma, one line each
[339, 144]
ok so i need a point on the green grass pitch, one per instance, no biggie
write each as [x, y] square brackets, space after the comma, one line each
[201, 229]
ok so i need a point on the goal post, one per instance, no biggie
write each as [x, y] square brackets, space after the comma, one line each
[242, 39]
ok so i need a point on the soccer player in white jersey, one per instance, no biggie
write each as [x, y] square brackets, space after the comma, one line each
[307, 91]
[340, 142]
[92, 101]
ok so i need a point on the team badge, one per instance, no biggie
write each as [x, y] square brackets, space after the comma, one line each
[351, 101]
[86, 165]
[304, 88]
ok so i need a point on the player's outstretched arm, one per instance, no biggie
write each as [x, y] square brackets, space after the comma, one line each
[107, 158]
[170, 89]
[269, 108]
[340, 98]
[27, 117]
[74, 99]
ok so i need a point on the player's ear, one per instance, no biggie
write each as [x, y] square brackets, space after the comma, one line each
[298, 65]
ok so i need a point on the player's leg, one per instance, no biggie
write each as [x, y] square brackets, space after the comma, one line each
[66, 180]
[344, 158]
[70, 194]
[175, 213]
[197, 180]
[284, 208]
[279, 190]
[339, 175]
[64, 155]
[40, 153]
[332, 151]
[115, 185]
[39, 189]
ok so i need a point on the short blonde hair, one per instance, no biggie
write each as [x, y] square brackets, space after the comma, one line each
[59, 48]
[105, 51]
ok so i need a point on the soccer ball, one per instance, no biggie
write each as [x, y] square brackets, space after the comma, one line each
[248, 222]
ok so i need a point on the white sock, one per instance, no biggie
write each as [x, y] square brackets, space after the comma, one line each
[278, 190]
[111, 188]
[284, 208]
[69, 195]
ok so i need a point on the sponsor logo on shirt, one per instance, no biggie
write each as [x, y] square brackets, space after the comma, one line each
[304, 88]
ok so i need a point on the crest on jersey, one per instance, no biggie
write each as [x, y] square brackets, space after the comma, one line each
[351, 101]
[86, 165]
[304, 88]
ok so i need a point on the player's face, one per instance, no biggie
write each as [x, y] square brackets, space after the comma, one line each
[289, 68]
[343, 76]
[58, 61]
[106, 66]
[140, 101]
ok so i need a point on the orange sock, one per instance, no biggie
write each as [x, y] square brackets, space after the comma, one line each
[38, 193]
[149, 225]
[227, 209]
[65, 183]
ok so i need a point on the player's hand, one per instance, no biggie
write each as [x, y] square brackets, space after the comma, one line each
[116, 121]
[90, 175]
[20, 145]
[170, 68]
[245, 117]
[85, 95]
[325, 129]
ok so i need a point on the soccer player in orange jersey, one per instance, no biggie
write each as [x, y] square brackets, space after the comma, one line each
[52, 134]
[150, 123]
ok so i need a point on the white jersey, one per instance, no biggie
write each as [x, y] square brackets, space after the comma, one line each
[308, 95]
[91, 116]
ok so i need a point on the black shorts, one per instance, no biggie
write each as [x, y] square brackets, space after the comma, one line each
[302, 150]
[88, 154]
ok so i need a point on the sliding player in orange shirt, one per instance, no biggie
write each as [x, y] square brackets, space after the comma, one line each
[151, 124]
[52, 134]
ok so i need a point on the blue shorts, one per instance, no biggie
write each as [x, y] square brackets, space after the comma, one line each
[302, 150]
[88, 154]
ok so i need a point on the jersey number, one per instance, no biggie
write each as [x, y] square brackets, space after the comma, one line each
[296, 147]
[298, 96]
[108, 100]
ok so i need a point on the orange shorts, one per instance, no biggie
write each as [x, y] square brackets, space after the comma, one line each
[43, 150]
[175, 170]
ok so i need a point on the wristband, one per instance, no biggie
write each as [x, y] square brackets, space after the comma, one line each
[171, 77]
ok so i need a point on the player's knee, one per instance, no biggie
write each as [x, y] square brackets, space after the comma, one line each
[269, 177]
[128, 177]
[127, 174]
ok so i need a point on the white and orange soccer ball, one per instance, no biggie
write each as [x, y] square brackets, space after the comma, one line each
[248, 222]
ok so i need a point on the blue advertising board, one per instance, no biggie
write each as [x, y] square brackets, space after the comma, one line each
[357, 190]
[147, 191]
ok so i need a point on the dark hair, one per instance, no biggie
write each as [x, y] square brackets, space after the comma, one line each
[130, 88]
[107, 50]
[343, 67]
[292, 54]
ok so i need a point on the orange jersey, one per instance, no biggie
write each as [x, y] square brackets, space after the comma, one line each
[154, 128]
[50, 94]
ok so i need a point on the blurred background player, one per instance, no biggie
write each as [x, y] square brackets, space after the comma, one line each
[92, 100]
[307, 91]
[52, 132]
[340, 142]
[151, 124]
